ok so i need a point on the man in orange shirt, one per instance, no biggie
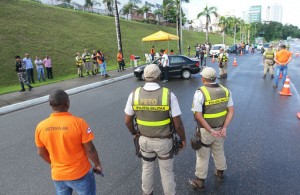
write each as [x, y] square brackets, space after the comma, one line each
[152, 52]
[120, 61]
[65, 142]
[282, 58]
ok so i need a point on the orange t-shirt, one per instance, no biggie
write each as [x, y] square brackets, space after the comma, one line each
[283, 56]
[119, 57]
[98, 60]
[152, 51]
[63, 135]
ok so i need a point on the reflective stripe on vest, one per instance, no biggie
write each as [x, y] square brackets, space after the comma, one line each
[87, 58]
[79, 62]
[163, 107]
[209, 101]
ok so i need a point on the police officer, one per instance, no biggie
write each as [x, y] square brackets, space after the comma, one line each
[155, 108]
[268, 60]
[223, 60]
[86, 56]
[213, 111]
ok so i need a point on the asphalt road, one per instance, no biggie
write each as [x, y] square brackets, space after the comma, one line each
[262, 147]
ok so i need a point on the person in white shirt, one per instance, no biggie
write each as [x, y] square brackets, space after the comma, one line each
[165, 65]
[40, 68]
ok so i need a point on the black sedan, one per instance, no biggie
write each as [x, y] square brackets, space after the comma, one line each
[178, 66]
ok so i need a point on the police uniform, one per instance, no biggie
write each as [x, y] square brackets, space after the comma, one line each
[223, 58]
[152, 105]
[79, 63]
[269, 55]
[88, 64]
[212, 101]
[20, 69]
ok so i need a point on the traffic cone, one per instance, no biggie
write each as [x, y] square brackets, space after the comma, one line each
[286, 88]
[234, 62]
[298, 114]
[280, 76]
[213, 59]
[297, 54]
[241, 52]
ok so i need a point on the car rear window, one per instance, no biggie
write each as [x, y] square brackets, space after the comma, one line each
[216, 47]
[177, 59]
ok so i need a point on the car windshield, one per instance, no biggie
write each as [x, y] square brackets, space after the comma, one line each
[266, 45]
[216, 47]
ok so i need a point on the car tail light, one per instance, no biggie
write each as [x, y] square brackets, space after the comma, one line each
[197, 64]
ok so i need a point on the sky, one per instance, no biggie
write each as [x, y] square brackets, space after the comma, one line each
[290, 7]
[289, 12]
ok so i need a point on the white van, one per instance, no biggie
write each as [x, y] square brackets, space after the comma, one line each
[215, 49]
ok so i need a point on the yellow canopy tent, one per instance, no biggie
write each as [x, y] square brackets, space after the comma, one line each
[161, 36]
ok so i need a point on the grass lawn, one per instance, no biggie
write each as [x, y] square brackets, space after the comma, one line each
[37, 29]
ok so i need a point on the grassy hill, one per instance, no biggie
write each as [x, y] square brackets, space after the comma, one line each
[37, 29]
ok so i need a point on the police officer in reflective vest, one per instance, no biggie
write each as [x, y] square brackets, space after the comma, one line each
[155, 108]
[213, 111]
[86, 56]
[223, 60]
[268, 60]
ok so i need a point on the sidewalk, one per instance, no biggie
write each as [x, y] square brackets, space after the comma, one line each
[37, 92]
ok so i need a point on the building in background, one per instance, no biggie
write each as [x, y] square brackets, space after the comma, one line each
[274, 13]
[255, 13]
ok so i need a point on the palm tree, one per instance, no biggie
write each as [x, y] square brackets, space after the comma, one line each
[207, 12]
[248, 28]
[118, 26]
[91, 3]
[224, 24]
[146, 9]
[177, 5]
[109, 5]
[130, 6]
[235, 22]
[158, 13]
[125, 11]
[140, 11]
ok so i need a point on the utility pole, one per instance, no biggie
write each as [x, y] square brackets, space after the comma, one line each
[118, 28]
[180, 23]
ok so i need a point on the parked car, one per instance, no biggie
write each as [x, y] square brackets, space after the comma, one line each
[232, 49]
[179, 65]
[215, 50]
[259, 46]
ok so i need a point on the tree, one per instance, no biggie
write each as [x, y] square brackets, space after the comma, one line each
[125, 11]
[146, 9]
[118, 27]
[130, 6]
[174, 6]
[207, 13]
[158, 13]
[109, 5]
[224, 24]
[91, 4]
[235, 22]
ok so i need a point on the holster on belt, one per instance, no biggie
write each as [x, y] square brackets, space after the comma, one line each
[196, 142]
[137, 145]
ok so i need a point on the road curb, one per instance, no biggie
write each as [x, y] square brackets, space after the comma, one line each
[43, 99]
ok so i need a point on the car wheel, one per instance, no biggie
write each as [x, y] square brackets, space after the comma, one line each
[186, 74]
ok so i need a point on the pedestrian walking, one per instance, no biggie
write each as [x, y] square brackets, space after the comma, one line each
[29, 68]
[154, 109]
[86, 57]
[189, 50]
[65, 142]
[21, 73]
[213, 111]
[268, 61]
[282, 59]
[79, 64]
[223, 62]
[40, 68]
[48, 65]
[152, 52]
